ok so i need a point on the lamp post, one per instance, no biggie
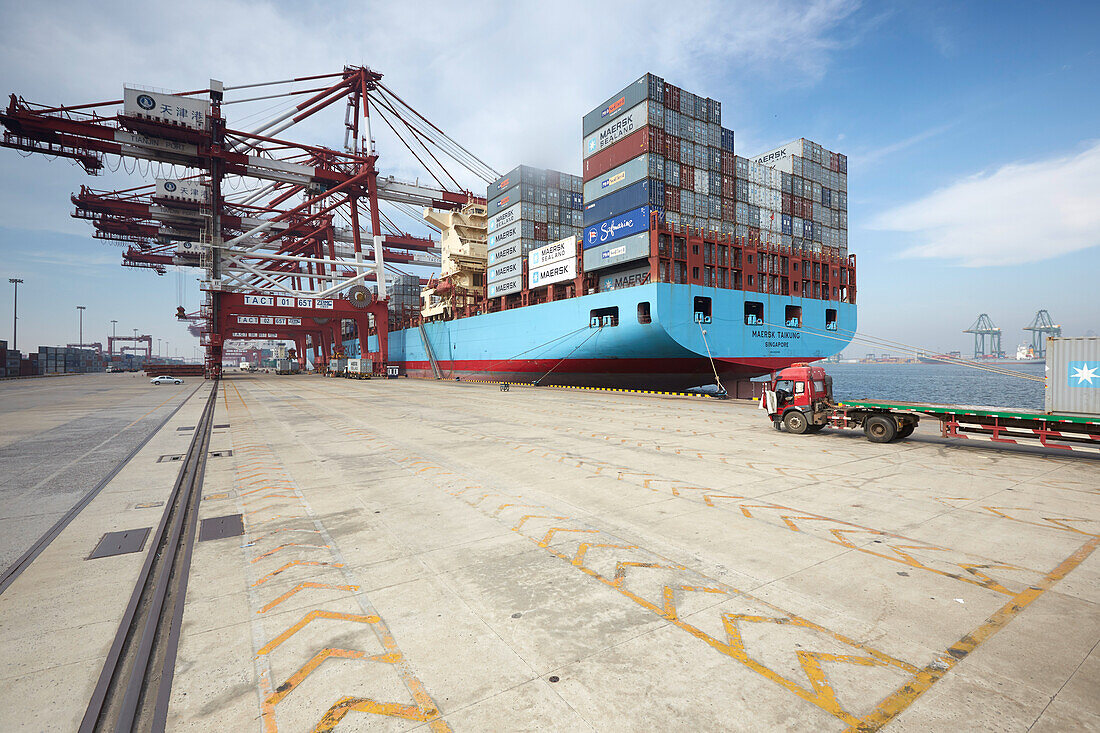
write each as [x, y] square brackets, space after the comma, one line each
[114, 332]
[158, 348]
[15, 314]
[80, 334]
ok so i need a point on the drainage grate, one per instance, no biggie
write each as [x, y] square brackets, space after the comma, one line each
[185, 428]
[167, 459]
[220, 453]
[216, 427]
[120, 543]
[218, 528]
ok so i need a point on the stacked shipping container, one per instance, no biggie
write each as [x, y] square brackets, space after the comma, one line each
[653, 148]
[528, 208]
[798, 191]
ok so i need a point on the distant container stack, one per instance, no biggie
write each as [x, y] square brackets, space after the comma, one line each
[528, 208]
[795, 195]
[652, 148]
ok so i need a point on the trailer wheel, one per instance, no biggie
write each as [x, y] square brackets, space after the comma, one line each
[795, 422]
[906, 430]
[880, 429]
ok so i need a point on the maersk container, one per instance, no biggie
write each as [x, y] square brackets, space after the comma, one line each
[625, 199]
[505, 287]
[617, 178]
[506, 270]
[522, 210]
[510, 251]
[628, 122]
[1073, 375]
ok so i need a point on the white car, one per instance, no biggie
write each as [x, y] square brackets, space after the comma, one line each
[165, 379]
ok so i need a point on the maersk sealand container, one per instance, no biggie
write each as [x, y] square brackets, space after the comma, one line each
[1073, 375]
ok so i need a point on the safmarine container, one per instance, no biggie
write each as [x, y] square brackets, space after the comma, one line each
[617, 227]
[617, 178]
[626, 199]
[1073, 376]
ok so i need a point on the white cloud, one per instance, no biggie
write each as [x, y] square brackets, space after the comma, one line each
[1023, 212]
[510, 82]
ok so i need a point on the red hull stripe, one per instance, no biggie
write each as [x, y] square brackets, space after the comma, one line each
[609, 366]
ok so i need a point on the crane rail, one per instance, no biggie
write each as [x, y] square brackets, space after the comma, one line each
[134, 686]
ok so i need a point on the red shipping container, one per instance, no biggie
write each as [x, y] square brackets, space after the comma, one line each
[540, 230]
[687, 177]
[675, 198]
[673, 153]
[807, 209]
[786, 197]
[674, 97]
[626, 149]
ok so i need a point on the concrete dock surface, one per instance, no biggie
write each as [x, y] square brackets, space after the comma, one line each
[422, 555]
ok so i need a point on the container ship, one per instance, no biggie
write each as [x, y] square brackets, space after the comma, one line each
[669, 263]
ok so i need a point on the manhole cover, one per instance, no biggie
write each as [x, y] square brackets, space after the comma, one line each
[120, 543]
[217, 528]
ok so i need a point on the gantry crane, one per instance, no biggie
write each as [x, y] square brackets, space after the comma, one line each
[1041, 327]
[274, 224]
[983, 328]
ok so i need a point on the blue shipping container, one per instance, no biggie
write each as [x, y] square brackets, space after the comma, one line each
[617, 227]
[622, 200]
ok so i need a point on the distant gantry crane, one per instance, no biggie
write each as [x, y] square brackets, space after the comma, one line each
[1042, 327]
[275, 225]
[982, 329]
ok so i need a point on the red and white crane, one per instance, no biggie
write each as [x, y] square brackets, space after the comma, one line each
[286, 233]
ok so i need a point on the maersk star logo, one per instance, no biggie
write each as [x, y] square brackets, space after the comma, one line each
[1082, 375]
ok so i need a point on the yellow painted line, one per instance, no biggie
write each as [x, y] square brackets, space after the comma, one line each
[310, 618]
[896, 703]
[303, 586]
[296, 563]
[288, 544]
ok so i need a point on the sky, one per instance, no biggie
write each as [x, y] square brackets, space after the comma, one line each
[972, 130]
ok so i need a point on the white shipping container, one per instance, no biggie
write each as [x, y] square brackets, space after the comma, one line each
[555, 272]
[504, 270]
[505, 287]
[563, 249]
[510, 251]
[783, 152]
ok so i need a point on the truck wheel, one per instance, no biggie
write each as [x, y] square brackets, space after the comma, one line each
[906, 430]
[795, 422]
[880, 429]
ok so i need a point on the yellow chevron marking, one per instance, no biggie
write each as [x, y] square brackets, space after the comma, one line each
[295, 563]
[303, 586]
[286, 545]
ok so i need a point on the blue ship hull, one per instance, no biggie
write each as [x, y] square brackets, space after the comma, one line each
[554, 343]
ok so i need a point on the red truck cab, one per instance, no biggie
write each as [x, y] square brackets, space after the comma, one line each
[799, 398]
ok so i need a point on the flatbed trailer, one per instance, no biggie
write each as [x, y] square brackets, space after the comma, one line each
[799, 400]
